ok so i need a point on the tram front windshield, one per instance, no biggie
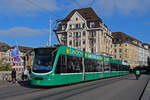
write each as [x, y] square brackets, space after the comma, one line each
[44, 59]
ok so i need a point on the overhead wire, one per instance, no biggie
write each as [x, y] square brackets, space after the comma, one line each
[41, 7]
[91, 4]
[77, 3]
[37, 5]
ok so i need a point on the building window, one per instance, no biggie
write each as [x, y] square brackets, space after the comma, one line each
[77, 26]
[111, 46]
[70, 26]
[83, 25]
[76, 35]
[76, 43]
[92, 25]
[76, 19]
[70, 35]
[120, 56]
[92, 33]
[63, 27]
[70, 42]
[84, 33]
[120, 45]
[83, 41]
[115, 50]
[120, 50]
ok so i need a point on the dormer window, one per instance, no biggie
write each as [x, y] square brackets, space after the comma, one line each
[92, 25]
[63, 27]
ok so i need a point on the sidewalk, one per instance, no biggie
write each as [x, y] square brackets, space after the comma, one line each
[146, 94]
[4, 83]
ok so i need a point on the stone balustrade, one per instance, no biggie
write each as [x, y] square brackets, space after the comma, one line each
[6, 75]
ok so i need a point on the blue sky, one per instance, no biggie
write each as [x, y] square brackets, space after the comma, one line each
[27, 21]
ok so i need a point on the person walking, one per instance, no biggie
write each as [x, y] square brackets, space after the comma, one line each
[137, 74]
[25, 74]
[13, 76]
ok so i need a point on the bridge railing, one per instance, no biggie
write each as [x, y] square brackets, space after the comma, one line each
[6, 75]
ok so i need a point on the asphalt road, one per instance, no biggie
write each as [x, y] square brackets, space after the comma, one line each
[118, 88]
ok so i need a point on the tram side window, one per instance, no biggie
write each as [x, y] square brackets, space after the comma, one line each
[106, 66]
[93, 66]
[88, 65]
[99, 66]
[74, 64]
[121, 67]
[61, 64]
[114, 67]
[125, 68]
[69, 64]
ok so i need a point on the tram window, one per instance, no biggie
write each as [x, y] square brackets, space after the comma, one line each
[74, 64]
[121, 67]
[88, 65]
[69, 64]
[61, 65]
[114, 67]
[106, 66]
[99, 66]
[93, 65]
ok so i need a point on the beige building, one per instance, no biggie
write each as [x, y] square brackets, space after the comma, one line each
[3, 48]
[126, 48]
[83, 29]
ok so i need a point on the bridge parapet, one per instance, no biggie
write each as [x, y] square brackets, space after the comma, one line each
[6, 75]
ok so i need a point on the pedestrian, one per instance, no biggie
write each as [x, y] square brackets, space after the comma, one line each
[137, 74]
[13, 76]
[25, 74]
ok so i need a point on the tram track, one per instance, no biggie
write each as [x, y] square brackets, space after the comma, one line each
[82, 89]
[79, 87]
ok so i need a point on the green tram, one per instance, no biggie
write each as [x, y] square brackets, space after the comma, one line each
[64, 65]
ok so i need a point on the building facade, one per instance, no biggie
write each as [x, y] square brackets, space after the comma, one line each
[145, 54]
[3, 48]
[17, 65]
[126, 48]
[6, 52]
[83, 29]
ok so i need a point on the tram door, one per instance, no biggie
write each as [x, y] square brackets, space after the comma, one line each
[106, 69]
[74, 69]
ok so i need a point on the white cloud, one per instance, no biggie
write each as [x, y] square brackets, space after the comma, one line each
[23, 32]
[104, 7]
[19, 7]
[108, 7]
[128, 6]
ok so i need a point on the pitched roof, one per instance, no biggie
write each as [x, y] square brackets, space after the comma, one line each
[4, 47]
[24, 49]
[87, 13]
[122, 36]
